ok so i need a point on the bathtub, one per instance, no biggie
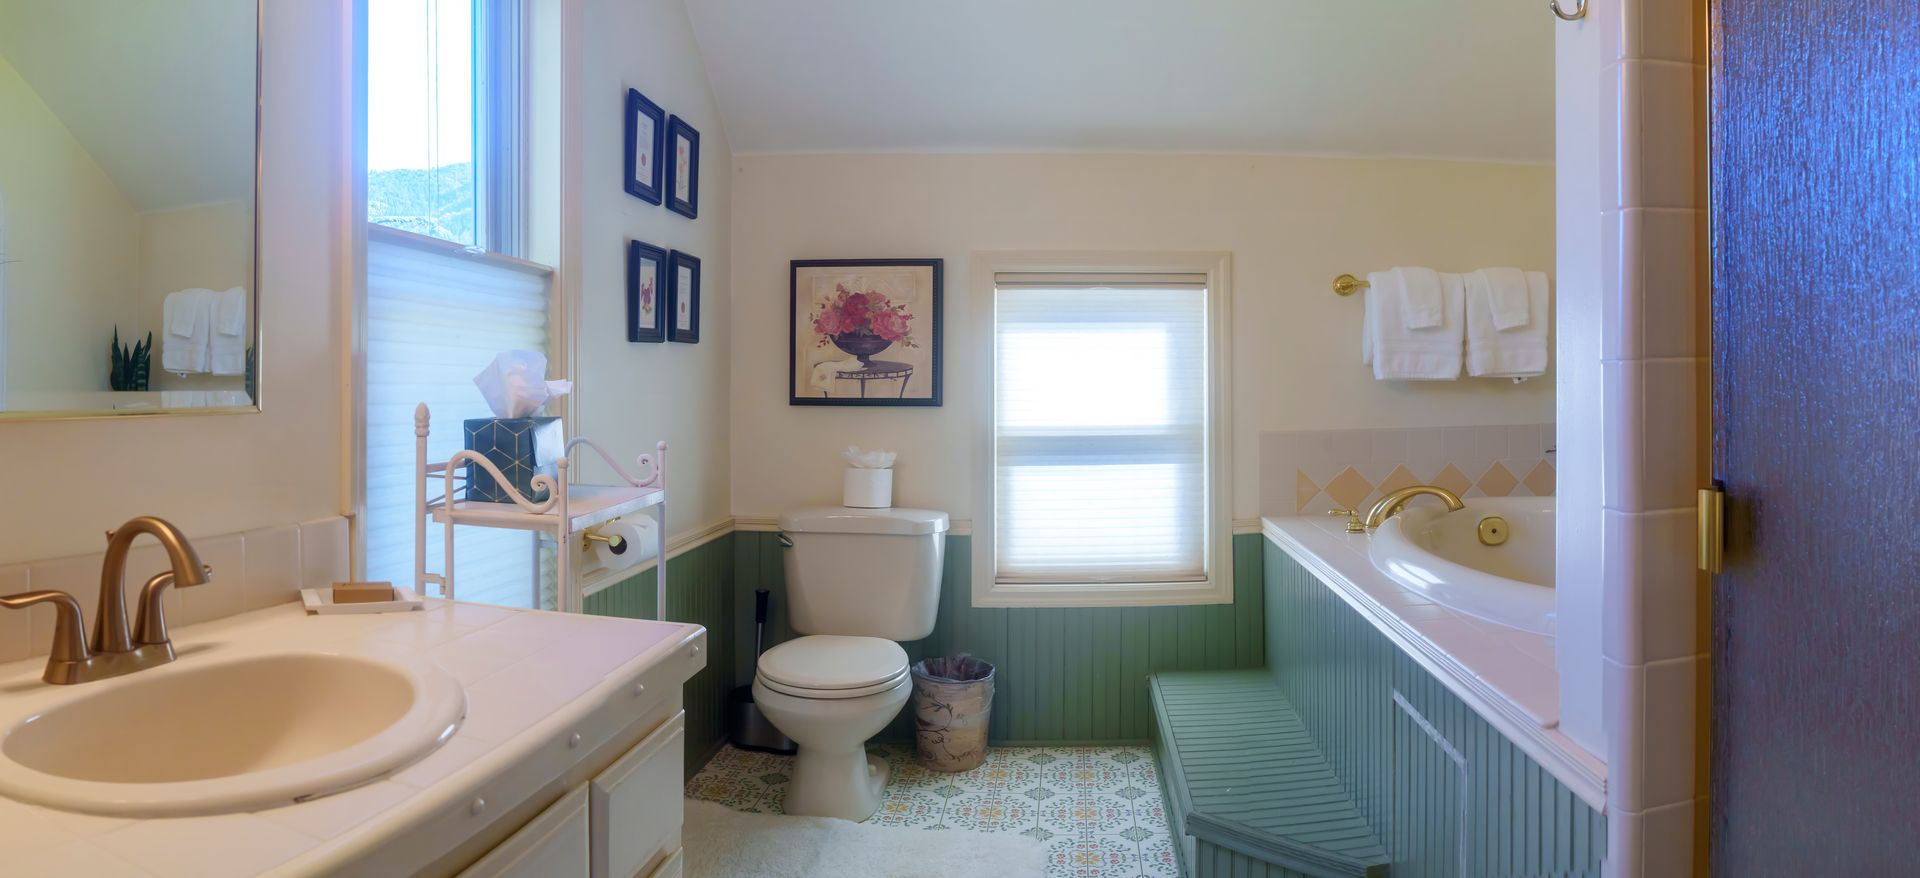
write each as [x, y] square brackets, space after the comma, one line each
[1439, 554]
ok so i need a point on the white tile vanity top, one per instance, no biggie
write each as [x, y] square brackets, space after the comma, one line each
[527, 675]
[1507, 675]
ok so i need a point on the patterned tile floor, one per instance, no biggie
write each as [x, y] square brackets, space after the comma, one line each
[1098, 809]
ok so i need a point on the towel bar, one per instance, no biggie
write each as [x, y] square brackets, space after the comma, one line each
[1347, 285]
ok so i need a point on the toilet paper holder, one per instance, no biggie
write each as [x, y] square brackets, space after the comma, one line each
[616, 543]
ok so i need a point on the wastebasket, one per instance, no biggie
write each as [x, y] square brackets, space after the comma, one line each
[952, 701]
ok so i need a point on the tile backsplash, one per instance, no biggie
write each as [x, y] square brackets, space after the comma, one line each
[1309, 472]
[251, 570]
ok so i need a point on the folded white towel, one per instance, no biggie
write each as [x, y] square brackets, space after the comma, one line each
[233, 311]
[1519, 352]
[1422, 301]
[823, 374]
[1504, 291]
[1401, 353]
[188, 351]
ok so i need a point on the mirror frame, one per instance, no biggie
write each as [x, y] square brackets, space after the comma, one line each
[259, 322]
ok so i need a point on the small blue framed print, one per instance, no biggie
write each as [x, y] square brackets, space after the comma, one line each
[646, 139]
[646, 292]
[683, 278]
[683, 173]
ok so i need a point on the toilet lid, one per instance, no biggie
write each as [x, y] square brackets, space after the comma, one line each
[832, 662]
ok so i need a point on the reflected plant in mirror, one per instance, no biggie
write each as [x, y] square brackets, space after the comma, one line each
[127, 206]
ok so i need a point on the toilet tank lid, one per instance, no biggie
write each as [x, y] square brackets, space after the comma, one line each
[848, 520]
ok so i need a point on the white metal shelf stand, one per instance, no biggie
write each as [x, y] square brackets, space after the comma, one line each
[567, 513]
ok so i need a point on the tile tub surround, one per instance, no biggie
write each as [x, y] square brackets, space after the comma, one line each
[1099, 810]
[1310, 472]
[530, 677]
[251, 570]
[1505, 674]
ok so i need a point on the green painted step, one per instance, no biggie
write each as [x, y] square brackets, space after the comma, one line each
[1243, 774]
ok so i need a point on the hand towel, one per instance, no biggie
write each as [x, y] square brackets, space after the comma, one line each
[1422, 299]
[1401, 353]
[227, 346]
[1505, 292]
[189, 351]
[1519, 352]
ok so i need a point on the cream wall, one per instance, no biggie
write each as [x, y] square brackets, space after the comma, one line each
[67, 481]
[632, 395]
[1291, 223]
[208, 247]
[73, 238]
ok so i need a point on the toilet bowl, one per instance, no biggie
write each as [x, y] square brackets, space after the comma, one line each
[859, 582]
[830, 694]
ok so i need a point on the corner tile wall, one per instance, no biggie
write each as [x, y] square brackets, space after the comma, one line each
[1653, 175]
[1309, 472]
[251, 570]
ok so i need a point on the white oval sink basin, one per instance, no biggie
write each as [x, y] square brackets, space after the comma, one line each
[239, 735]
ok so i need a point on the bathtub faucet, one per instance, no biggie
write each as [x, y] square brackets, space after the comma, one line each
[1391, 503]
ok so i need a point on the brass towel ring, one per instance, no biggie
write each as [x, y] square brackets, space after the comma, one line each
[1579, 10]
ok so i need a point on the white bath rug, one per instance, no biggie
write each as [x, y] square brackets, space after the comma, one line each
[723, 843]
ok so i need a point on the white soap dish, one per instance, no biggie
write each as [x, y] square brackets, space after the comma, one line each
[319, 602]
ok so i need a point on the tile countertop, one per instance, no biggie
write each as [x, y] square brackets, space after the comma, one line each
[527, 674]
[1505, 674]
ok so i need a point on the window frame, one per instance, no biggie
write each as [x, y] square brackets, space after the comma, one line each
[1217, 587]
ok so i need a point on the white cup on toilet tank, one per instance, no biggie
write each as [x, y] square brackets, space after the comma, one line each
[867, 488]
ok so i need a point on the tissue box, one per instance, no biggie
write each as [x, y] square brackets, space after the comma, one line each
[521, 447]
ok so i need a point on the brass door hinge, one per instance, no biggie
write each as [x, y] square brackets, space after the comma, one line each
[1713, 527]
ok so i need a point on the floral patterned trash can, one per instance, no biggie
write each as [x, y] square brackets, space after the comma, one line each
[952, 701]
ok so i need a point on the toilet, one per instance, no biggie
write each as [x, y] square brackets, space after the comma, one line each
[858, 582]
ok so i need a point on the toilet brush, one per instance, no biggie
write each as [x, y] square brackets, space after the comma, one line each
[747, 727]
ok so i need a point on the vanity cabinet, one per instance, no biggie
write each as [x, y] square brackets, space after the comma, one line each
[622, 823]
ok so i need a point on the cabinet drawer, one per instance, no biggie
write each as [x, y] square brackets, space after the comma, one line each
[552, 844]
[636, 804]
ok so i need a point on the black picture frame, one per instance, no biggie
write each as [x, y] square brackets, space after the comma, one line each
[644, 183]
[639, 254]
[689, 207]
[933, 399]
[688, 293]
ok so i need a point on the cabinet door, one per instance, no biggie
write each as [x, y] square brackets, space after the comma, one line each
[551, 845]
[637, 804]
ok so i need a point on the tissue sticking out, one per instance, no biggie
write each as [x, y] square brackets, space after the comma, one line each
[867, 459]
[515, 384]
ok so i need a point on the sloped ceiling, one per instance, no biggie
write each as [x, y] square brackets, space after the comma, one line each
[160, 92]
[1468, 79]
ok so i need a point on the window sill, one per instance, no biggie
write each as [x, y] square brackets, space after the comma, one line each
[991, 595]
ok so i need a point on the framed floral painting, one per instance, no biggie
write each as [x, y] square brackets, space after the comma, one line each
[865, 332]
[646, 292]
[683, 174]
[645, 136]
[683, 298]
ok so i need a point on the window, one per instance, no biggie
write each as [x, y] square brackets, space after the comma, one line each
[445, 289]
[1106, 438]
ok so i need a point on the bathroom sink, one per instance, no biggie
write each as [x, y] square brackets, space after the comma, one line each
[244, 734]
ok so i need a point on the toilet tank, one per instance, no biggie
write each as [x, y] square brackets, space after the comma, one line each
[864, 572]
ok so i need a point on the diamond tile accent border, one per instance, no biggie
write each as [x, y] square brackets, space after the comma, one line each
[1309, 472]
[1097, 809]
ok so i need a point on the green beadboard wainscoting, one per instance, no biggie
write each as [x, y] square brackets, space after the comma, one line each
[1064, 676]
[700, 590]
[1445, 792]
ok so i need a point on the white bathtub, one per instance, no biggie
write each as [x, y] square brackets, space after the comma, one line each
[1439, 554]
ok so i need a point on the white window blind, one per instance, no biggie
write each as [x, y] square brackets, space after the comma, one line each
[1101, 429]
[436, 315]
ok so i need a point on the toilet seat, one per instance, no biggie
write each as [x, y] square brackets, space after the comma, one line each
[833, 666]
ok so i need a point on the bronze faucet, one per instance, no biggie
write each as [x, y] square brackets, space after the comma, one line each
[1391, 503]
[115, 650]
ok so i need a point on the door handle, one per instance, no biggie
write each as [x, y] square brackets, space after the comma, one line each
[1713, 527]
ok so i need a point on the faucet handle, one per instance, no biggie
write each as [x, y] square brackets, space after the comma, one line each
[69, 630]
[1354, 524]
[150, 620]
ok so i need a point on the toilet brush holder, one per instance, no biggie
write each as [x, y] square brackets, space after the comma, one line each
[747, 727]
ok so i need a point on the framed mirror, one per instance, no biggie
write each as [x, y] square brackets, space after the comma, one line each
[129, 166]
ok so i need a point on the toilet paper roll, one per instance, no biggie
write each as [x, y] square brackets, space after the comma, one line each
[637, 543]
